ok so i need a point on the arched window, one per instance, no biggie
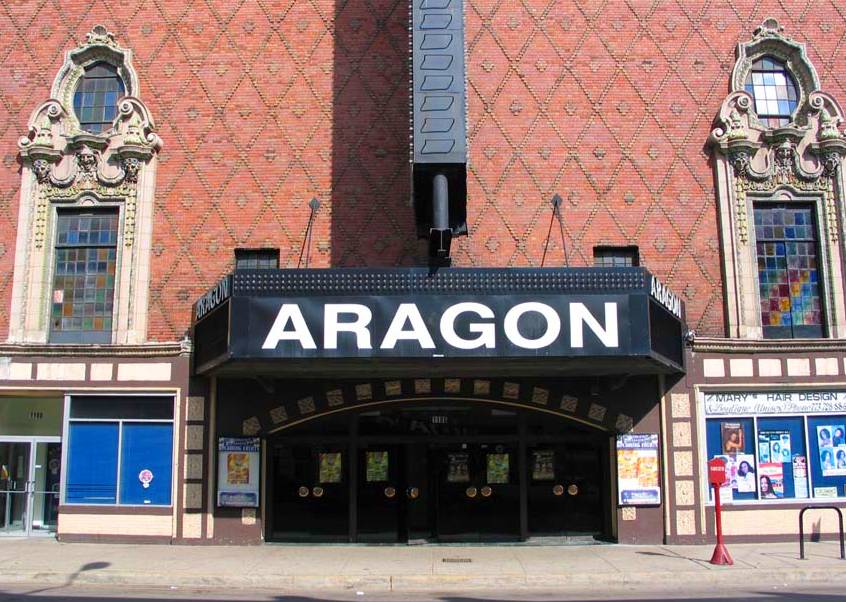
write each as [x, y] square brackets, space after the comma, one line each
[772, 86]
[95, 100]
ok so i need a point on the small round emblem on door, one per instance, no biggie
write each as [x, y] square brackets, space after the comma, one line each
[486, 491]
[412, 493]
[390, 492]
[317, 492]
[471, 492]
[573, 489]
[302, 491]
[558, 490]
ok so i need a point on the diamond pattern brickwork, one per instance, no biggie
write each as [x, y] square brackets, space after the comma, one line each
[265, 104]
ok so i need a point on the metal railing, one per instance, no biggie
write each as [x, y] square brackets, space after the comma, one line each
[802, 529]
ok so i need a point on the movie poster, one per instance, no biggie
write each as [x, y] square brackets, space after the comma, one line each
[498, 465]
[732, 436]
[238, 471]
[330, 467]
[457, 470]
[377, 466]
[543, 465]
[832, 449]
[637, 469]
[771, 480]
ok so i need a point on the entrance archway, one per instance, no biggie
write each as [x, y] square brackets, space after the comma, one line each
[438, 469]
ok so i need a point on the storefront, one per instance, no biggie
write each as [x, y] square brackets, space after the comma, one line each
[462, 405]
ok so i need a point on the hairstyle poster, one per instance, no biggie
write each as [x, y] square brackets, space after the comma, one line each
[774, 446]
[832, 449]
[745, 477]
[238, 471]
[800, 476]
[732, 436]
[771, 480]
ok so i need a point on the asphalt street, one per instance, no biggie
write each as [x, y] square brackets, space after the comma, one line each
[727, 592]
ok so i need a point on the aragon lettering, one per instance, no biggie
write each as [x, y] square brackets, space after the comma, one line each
[665, 297]
[407, 324]
[217, 295]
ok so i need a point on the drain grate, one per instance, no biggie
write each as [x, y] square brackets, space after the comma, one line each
[456, 560]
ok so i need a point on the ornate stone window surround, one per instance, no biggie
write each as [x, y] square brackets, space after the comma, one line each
[801, 161]
[68, 168]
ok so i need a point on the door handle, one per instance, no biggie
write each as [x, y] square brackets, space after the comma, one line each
[390, 492]
[471, 492]
[302, 491]
[412, 493]
[486, 491]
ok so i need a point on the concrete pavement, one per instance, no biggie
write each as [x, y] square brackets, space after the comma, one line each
[411, 568]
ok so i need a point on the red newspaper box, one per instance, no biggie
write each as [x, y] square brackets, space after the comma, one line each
[717, 472]
[717, 477]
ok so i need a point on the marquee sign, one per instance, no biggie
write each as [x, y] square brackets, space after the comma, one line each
[457, 313]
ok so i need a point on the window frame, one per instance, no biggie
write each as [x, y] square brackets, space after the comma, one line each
[257, 252]
[789, 75]
[77, 208]
[66, 421]
[621, 251]
[814, 204]
[122, 92]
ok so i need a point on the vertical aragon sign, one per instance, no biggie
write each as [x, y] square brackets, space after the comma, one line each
[238, 468]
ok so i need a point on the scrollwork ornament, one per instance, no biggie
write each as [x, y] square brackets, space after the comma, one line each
[831, 164]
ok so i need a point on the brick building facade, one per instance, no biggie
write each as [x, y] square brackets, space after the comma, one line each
[246, 111]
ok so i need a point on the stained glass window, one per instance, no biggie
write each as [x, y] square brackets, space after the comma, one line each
[788, 272]
[84, 277]
[771, 85]
[95, 100]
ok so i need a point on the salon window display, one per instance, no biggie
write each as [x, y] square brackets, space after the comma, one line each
[780, 457]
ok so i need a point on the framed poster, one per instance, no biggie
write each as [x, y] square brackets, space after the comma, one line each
[543, 465]
[638, 478]
[498, 468]
[330, 467]
[377, 466]
[238, 471]
[457, 469]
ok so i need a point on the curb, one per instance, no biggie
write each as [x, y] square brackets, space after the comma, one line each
[432, 582]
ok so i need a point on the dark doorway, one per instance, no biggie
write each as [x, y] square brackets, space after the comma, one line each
[445, 472]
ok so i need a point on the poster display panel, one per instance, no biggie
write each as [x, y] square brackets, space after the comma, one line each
[238, 471]
[638, 479]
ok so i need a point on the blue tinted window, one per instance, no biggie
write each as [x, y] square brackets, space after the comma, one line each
[92, 463]
[146, 446]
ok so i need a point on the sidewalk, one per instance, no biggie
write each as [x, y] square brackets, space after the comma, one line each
[400, 568]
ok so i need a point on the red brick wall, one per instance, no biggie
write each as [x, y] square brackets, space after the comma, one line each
[263, 105]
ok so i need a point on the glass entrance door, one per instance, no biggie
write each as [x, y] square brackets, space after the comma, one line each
[29, 486]
[14, 487]
[477, 492]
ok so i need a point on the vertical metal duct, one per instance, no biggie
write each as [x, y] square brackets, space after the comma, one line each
[439, 125]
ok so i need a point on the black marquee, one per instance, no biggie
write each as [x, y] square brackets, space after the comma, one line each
[450, 321]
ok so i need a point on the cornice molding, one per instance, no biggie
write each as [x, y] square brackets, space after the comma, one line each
[169, 349]
[720, 345]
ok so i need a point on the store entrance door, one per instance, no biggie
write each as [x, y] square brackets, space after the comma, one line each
[29, 485]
